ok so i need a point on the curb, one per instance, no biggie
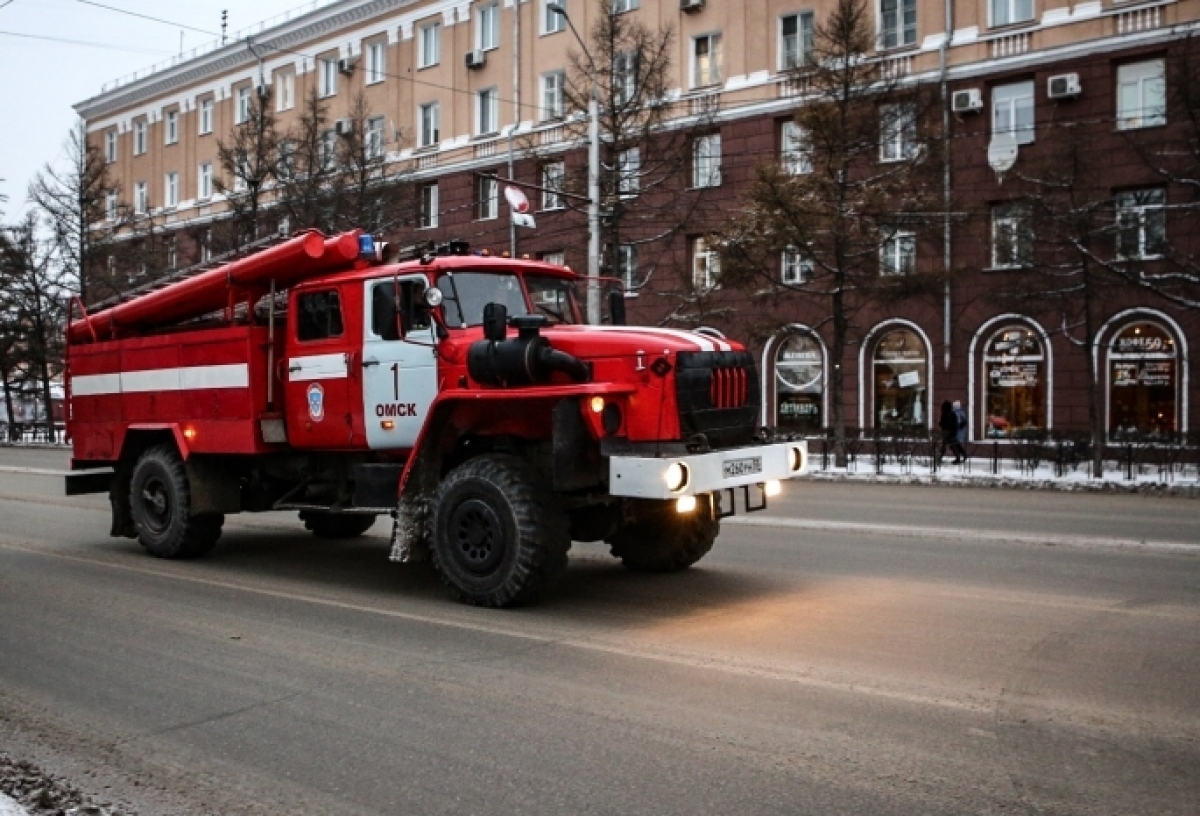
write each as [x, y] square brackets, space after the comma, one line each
[977, 480]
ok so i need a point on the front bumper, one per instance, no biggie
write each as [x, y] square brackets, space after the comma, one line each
[647, 477]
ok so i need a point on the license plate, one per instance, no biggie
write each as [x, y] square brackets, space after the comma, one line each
[742, 467]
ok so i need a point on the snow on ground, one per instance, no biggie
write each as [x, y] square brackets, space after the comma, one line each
[9, 807]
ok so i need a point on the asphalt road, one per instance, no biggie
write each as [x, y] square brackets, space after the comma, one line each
[857, 649]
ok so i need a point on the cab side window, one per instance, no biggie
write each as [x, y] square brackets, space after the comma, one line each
[320, 316]
[395, 304]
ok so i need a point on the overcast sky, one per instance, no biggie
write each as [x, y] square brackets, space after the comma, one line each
[69, 48]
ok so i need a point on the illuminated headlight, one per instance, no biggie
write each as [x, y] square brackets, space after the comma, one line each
[773, 487]
[685, 504]
[795, 459]
[676, 476]
[597, 404]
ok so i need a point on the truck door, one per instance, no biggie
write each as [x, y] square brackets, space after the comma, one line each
[399, 361]
[319, 405]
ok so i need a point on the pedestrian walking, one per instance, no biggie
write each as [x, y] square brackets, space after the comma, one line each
[948, 423]
[960, 433]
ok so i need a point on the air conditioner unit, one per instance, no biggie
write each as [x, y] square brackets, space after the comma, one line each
[1063, 86]
[344, 127]
[346, 65]
[476, 59]
[691, 5]
[968, 101]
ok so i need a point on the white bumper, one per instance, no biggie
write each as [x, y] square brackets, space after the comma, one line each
[646, 477]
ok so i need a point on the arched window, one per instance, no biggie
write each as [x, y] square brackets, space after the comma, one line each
[1014, 382]
[1143, 381]
[799, 382]
[901, 378]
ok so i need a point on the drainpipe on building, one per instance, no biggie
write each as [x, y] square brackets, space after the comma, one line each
[946, 253]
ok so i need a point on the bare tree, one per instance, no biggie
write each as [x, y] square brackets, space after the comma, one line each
[367, 196]
[307, 168]
[248, 159]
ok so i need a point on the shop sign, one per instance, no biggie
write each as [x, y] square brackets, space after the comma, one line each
[1157, 374]
[1013, 375]
[792, 408]
[908, 379]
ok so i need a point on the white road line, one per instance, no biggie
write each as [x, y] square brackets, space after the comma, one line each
[967, 536]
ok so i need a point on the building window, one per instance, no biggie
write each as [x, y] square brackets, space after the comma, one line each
[1141, 95]
[1012, 236]
[139, 137]
[553, 175]
[487, 112]
[795, 149]
[172, 253]
[552, 22]
[429, 46]
[622, 6]
[206, 116]
[795, 268]
[897, 23]
[898, 254]
[897, 132]
[706, 60]
[1014, 382]
[799, 383]
[557, 258]
[171, 190]
[552, 94]
[1143, 381]
[204, 181]
[1012, 111]
[206, 246]
[627, 265]
[141, 200]
[244, 102]
[795, 40]
[327, 151]
[328, 77]
[374, 137]
[429, 134]
[629, 172]
[1007, 12]
[285, 91]
[376, 62]
[110, 205]
[624, 77]
[901, 377]
[286, 167]
[428, 205]
[706, 161]
[171, 131]
[706, 267]
[487, 203]
[110, 146]
[487, 27]
[1141, 223]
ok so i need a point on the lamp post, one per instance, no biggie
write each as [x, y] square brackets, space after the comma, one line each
[593, 269]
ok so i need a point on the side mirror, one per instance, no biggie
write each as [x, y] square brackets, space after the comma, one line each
[616, 307]
[495, 322]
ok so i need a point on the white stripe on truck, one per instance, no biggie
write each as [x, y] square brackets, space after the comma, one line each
[185, 378]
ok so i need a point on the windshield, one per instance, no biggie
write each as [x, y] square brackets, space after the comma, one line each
[468, 292]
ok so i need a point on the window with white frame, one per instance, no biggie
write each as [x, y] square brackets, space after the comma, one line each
[629, 172]
[897, 131]
[206, 116]
[552, 94]
[706, 161]
[898, 254]
[327, 78]
[141, 198]
[376, 62]
[1141, 223]
[374, 137]
[706, 60]
[487, 27]
[897, 23]
[285, 91]
[244, 104]
[1012, 235]
[171, 127]
[429, 133]
[795, 40]
[139, 137]
[553, 175]
[204, 181]
[795, 267]
[1007, 12]
[487, 204]
[429, 45]
[284, 227]
[110, 146]
[205, 246]
[552, 21]
[172, 253]
[239, 181]
[1012, 111]
[327, 152]
[622, 6]
[110, 205]
[558, 258]
[1141, 95]
[627, 265]
[285, 168]
[487, 112]
[706, 268]
[795, 149]
[427, 205]
[624, 76]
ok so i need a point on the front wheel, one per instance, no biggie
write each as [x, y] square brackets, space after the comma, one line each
[656, 538]
[160, 504]
[499, 538]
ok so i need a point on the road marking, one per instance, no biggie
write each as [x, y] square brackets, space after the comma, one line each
[967, 536]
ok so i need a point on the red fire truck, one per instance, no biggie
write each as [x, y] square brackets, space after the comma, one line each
[463, 395]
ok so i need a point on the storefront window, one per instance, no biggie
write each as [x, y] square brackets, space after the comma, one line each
[1143, 382]
[1014, 377]
[799, 388]
[901, 380]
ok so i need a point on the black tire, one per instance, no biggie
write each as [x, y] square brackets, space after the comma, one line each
[337, 525]
[160, 505]
[658, 539]
[499, 537]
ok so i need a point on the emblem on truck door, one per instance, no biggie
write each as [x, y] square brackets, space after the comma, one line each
[316, 402]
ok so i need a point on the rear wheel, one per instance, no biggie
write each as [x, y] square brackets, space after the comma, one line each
[336, 525]
[499, 538]
[160, 505]
[656, 538]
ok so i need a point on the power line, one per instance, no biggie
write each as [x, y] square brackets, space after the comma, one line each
[87, 43]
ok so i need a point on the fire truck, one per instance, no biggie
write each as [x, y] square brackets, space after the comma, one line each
[462, 394]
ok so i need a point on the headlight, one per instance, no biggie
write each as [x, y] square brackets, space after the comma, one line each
[795, 459]
[676, 476]
[685, 504]
[433, 297]
[773, 487]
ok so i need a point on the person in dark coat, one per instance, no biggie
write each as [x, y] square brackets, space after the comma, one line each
[960, 432]
[948, 423]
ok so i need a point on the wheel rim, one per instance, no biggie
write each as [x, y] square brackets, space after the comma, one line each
[476, 537]
[156, 505]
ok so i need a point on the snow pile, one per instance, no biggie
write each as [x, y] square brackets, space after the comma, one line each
[9, 807]
[25, 790]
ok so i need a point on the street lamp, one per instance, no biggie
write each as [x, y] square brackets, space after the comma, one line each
[593, 271]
